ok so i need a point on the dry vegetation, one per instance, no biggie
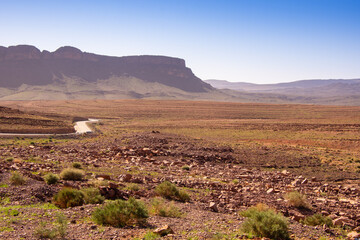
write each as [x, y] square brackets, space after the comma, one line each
[230, 154]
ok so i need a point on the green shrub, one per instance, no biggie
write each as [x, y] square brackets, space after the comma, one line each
[77, 165]
[61, 225]
[68, 197]
[17, 179]
[98, 183]
[120, 213]
[264, 222]
[133, 187]
[318, 219]
[13, 212]
[185, 167]
[297, 200]
[170, 191]
[160, 208]
[221, 236]
[151, 236]
[72, 174]
[183, 196]
[60, 229]
[43, 232]
[51, 178]
[92, 196]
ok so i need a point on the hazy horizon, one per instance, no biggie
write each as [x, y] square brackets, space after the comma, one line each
[240, 41]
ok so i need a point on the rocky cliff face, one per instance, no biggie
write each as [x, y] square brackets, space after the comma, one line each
[25, 64]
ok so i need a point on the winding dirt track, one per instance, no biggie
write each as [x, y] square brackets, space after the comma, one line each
[81, 127]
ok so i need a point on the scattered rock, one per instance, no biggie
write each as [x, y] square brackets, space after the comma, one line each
[113, 193]
[270, 190]
[127, 177]
[341, 221]
[353, 235]
[213, 207]
[104, 176]
[163, 231]
[297, 216]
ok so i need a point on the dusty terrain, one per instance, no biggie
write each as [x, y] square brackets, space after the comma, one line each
[236, 155]
[15, 121]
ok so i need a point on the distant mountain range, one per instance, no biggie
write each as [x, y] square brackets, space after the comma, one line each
[330, 91]
[26, 73]
[302, 87]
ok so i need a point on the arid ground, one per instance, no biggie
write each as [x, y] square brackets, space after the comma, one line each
[226, 156]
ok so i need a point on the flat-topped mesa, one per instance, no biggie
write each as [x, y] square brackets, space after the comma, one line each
[24, 52]
[25, 64]
[144, 59]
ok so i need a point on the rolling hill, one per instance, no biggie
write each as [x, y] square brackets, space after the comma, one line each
[332, 91]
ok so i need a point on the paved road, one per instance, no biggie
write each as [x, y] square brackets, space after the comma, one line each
[81, 127]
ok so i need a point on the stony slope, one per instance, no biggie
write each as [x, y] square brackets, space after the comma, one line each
[220, 185]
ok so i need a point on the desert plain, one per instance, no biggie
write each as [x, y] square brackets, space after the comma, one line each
[226, 156]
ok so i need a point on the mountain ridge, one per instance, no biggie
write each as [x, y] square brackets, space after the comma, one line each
[312, 87]
[26, 73]
[27, 64]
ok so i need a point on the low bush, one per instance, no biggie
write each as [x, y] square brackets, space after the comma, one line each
[151, 236]
[98, 183]
[72, 174]
[185, 167]
[60, 229]
[297, 200]
[133, 187]
[262, 221]
[318, 219]
[61, 225]
[170, 191]
[68, 197]
[17, 179]
[77, 165]
[160, 208]
[44, 232]
[51, 178]
[120, 213]
[92, 196]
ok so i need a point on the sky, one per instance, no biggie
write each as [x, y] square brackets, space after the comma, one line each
[258, 41]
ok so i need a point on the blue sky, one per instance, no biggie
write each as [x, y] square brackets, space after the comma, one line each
[260, 41]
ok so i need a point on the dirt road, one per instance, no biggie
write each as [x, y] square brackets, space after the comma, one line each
[81, 127]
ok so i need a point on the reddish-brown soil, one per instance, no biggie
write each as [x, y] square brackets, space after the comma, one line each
[154, 157]
[234, 163]
[15, 121]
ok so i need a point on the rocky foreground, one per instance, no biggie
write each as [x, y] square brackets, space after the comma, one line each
[218, 179]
